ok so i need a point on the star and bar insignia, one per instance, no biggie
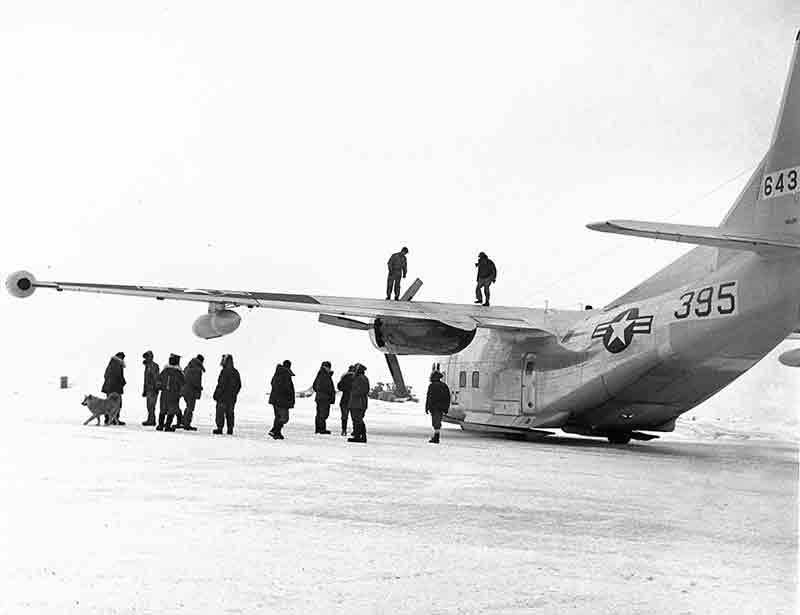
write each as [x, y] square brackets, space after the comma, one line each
[617, 334]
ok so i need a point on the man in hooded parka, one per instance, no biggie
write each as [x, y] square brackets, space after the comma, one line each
[358, 404]
[192, 389]
[437, 403]
[281, 397]
[170, 383]
[114, 380]
[150, 387]
[229, 384]
[345, 383]
[325, 396]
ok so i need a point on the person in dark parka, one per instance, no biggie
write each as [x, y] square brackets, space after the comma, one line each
[229, 384]
[170, 383]
[150, 389]
[487, 275]
[345, 382]
[192, 389]
[281, 397]
[437, 403]
[325, 396]
[398, 267]
[358, 404]
[114, 380]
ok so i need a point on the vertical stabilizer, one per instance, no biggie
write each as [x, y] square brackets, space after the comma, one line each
[770, 203]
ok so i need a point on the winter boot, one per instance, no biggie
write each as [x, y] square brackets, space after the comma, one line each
[217, 431]
[435, 438]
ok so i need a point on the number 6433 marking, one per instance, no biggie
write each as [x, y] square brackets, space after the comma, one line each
[712, 301]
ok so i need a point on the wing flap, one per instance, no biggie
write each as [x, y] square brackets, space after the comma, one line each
[772, 243]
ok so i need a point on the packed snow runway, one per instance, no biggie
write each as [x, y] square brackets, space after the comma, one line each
[129, 520]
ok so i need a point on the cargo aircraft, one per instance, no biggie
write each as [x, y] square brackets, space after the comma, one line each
[620, 372]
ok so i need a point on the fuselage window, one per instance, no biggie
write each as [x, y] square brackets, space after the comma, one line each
[462, 380]
[476, 380]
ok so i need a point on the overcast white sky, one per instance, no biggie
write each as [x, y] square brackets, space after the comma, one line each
[294, 146]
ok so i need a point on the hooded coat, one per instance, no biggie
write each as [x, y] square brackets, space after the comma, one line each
[323, 387]
[359, 391]
[113, 379]
[282, 393]
[151, 371]
[345, 384]
[486, 269]
[438, 399]
[194, 379]
[229, 383]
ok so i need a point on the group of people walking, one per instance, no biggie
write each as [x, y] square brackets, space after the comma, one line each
[167, 386]
[354, 386]
[398, 268]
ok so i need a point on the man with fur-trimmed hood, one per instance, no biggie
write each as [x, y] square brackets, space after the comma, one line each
[170, 383]
[192, 389]
[114, 379]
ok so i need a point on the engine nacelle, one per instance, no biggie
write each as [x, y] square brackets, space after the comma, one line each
[21, 284]
[416, 336]
[790, 358]
[216, 324]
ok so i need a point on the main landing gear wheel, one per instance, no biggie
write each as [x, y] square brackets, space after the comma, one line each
[622, 437]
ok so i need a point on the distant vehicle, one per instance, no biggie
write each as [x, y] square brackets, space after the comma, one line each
[634, 366]
[384, 391]
[306, 393]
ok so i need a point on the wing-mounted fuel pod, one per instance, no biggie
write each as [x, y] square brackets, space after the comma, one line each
[218, 322]
[21, 284]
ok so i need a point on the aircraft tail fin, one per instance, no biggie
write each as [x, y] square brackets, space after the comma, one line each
[770, 202]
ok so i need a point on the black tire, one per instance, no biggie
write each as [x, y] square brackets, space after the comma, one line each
[622, 437]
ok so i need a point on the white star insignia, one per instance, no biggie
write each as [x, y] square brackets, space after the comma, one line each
[618, 330]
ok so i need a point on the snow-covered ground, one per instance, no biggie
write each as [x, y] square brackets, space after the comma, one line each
[128, 520]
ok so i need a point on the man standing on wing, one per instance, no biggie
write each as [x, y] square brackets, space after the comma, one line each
[487, 275]
[398, 267]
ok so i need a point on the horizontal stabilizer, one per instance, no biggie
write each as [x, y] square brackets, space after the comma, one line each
[769, 243]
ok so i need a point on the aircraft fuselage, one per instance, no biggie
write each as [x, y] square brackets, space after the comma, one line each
[633, 366]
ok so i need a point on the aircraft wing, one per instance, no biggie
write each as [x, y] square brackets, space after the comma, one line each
[462, 316]
[703, 235]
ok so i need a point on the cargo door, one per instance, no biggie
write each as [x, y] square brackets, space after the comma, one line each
[528, 393]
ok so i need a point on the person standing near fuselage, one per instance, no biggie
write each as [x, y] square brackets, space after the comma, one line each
[345, 383]
[150, 389]
[325, 396]
[398, 267]
[437, 403]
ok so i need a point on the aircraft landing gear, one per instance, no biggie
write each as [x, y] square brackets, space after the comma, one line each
[622, 437]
